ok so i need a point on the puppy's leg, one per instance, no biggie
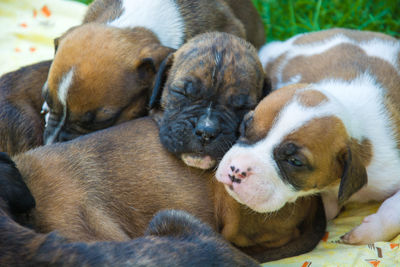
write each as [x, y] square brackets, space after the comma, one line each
[384, 225]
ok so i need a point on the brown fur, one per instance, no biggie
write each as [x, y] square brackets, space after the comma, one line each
[21, 125]
[114, 68]
[108, 185]
[351, 62]
[129, 88]
[267, 110]
[330, 156]
[311, 98]
[355, 35]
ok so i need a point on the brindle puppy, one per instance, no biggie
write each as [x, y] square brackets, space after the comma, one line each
[206, 87]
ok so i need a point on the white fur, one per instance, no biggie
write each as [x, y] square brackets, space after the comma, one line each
[64, 85]
[360, 106]
[160, 16]
[62, 94]
[383, 49]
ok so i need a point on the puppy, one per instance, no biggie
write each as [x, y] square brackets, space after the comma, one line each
[206, 87]
[173, 238]
[332, 128]
[21, 125]
[109, 184]
[103, 70]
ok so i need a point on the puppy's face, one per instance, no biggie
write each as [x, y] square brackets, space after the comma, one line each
[100, 76]
[213, 80]
[293, 144]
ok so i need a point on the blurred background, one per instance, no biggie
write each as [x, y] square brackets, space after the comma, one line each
[28, 27]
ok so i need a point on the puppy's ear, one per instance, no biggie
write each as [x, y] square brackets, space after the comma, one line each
[161, 78]
[148, 65]
[267, 87]
[146, 68]
[354, 174]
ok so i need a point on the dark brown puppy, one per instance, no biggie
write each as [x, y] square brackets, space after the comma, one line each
[109, 184]
[103, 70]
[21, 125]
[206, 87]
[173, 238]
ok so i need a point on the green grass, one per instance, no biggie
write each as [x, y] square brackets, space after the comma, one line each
[285, 18]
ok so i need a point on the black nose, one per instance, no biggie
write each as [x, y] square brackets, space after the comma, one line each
[207, 129]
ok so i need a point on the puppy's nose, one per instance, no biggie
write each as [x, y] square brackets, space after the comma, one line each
[237, 174]
[207, 129]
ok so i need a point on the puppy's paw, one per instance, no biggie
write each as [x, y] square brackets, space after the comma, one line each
[369, 231]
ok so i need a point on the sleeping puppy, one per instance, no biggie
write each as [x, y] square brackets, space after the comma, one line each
[21, 125]
[332, 128]
[109, 184]
[205, 88]
[173, 238]
[103, 70]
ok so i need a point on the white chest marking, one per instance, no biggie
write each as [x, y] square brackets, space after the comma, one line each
[160, 16]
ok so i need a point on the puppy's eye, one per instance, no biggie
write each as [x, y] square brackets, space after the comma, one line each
[190, 89]
[88, 117]
[294, 161]
[177, 91]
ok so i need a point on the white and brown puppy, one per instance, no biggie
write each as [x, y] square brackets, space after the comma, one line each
[334, 128]
[103, 70]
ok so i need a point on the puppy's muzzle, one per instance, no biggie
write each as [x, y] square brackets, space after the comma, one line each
[207, 129]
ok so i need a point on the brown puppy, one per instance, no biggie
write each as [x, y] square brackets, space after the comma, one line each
[206, 87]
[103, 70]
[109, 184]
[21, 125]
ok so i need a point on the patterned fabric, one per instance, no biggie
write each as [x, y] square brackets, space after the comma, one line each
[330, 252]
[27, 30]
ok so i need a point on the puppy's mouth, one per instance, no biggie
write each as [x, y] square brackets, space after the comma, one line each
[198, 161]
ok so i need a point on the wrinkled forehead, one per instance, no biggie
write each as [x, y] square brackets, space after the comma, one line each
[228, 64]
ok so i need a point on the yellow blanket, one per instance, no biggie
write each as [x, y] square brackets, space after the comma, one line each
[27, 30]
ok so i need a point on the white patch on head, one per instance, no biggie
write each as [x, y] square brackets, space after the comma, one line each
[62, 94]
[64, 85]
[160, 16]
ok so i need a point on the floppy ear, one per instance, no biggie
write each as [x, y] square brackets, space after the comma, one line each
[354, 174]
[161, 78]
[146, 68]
